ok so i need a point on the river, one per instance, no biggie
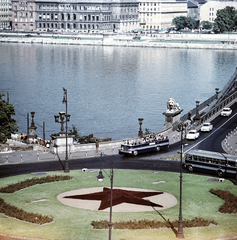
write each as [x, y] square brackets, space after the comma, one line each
[108, 88]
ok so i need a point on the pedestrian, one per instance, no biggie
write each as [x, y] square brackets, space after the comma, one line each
[97, 145]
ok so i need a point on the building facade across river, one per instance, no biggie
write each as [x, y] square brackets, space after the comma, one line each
[74, 16]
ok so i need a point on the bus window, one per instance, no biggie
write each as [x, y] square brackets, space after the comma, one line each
[189, 157]
[209, 160]
[223, 162]
[230, 163]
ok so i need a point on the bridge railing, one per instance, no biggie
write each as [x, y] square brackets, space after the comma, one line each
[201, 107]
[218, 108]
[215, 110]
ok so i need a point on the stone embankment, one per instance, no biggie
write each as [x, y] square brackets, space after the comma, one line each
[185, 41]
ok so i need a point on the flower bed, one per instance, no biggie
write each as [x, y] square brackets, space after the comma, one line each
[20, 214]
[230, 205]
[12, 211]
[11, 188]
[149, 224]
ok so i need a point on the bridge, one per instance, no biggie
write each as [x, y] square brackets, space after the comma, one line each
[204, 112]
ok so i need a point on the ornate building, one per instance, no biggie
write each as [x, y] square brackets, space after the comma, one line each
[23, 15]
[5, 14]
[75, 16]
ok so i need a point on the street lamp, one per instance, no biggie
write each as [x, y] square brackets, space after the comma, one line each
[140, 133]
[64, 118]
[180, 234]
[197, 116]
[100, 178]
[217, 92]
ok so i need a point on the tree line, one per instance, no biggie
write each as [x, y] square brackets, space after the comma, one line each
[226, 20]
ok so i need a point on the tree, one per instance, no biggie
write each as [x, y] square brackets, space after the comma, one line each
[74, 131]
[7, 123]
[207, 24]
[191, 23]
[226, 19]
[180, 22]
[184, 22]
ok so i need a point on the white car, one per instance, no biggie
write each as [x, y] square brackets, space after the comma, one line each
[192, 134]
[206, 127]
[226, 112]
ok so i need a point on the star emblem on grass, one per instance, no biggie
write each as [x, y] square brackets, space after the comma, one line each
[119, 196]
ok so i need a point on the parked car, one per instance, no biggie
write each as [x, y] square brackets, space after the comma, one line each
[206, 127]
[192, 135]
[226, 112]
[136, 38]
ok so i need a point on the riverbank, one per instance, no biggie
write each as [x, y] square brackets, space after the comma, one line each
[183, 41]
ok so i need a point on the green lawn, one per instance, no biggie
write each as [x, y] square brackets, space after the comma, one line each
[74, 223]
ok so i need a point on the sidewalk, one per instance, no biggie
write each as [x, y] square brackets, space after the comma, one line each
[229, 144]
[30, 156]
[24, 155]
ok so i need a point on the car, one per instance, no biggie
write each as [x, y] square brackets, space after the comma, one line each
[226, 112]
[206, 127]
[192, 135]
[136, 38]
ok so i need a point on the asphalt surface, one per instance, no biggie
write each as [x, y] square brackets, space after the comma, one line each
[22, 162]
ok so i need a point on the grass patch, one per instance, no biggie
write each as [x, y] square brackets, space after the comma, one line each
[74, 223]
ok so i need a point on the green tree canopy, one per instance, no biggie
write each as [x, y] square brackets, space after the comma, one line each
[75, 131]
[207, 24]
[226, 19]
[7, 123]
[184, 22]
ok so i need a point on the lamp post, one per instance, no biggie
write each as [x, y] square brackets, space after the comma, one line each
[197, 116]
[180, 222]
[100, 178]
[217, 92]
[64, 118]
[140, 133]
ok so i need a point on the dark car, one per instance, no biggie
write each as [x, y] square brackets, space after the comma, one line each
[136, 38]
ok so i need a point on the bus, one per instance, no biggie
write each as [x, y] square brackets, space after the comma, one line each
[221, 164]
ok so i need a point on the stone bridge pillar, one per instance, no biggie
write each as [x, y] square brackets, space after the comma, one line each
[172, 114]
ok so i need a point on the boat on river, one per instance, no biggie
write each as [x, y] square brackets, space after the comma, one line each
[142, 145]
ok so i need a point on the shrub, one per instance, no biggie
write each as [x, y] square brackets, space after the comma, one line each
[12, 211]
[11, 188]
[230, 205]
[149, 224]
[20, 214]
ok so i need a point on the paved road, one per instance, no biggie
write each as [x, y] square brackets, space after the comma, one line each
[21, 162]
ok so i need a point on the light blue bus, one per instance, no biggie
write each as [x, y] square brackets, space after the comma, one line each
[222, 164]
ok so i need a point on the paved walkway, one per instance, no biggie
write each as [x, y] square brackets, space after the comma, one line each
[29, 156]
[229, 145]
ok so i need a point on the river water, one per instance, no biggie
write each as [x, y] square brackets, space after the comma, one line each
[108, 88]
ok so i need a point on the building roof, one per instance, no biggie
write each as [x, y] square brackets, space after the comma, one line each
[192, 5]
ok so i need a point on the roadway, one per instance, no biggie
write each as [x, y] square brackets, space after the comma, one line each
[151, 161]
